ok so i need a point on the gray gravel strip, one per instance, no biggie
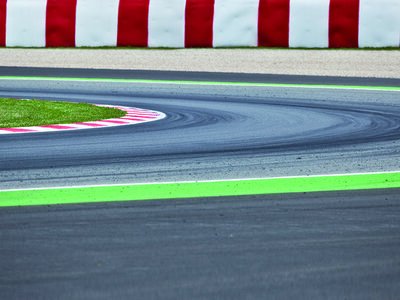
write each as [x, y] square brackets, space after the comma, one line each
[357, 63]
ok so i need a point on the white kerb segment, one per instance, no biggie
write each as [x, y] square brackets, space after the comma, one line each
[309, 23]
[379, 23]
[235, 23]
[166, 23]
[96, 23]
[26, 23]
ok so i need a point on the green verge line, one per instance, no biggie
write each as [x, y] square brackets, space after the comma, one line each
[202, 82]
[136, 192]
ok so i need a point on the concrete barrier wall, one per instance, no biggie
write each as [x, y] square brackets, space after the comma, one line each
[200, 23]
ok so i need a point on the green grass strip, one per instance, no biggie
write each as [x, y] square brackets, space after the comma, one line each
[21, 113]
[198, 189]
[203, 82]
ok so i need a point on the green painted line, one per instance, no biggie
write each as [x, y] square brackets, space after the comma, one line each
[136, 192]
[202, 82]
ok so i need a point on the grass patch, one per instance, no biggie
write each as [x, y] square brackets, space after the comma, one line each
[22, 113]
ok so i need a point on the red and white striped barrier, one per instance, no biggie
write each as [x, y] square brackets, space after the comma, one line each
[200, 23]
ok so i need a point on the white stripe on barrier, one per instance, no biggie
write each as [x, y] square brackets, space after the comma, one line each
[167, 23]
[379, 23]
[309, 23]
[235, 23]
[96, 23]
[26, 23]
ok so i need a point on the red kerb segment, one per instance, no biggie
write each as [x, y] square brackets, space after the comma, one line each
[133, 18]
[273, 23]
[343, 23]
[60, 23]
[199, 18]
[16, 130]
[3, 18]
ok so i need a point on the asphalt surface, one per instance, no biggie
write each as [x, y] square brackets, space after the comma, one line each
[210, 131]
[196, 76]
[325, 245]
[341, 245]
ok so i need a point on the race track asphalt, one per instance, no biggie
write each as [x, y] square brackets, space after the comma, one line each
[336, 245]
[313, 245]
[211, 131]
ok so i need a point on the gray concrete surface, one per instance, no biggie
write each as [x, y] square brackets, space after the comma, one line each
[359, 63]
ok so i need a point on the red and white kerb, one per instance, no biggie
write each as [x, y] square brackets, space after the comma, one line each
[133, 116]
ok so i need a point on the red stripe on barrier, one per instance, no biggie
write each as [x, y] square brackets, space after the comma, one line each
[133, 18]
[343, 23]
[273, 23]
[60, 23]
[3, 18]
[199, 17]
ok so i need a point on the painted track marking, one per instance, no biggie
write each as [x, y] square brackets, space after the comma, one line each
[199, 82]
[190, 189]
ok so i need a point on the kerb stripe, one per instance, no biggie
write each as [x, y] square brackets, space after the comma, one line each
[273, 23]
[60, 23]
[199, 17]
[133, 18]
[343, 23]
